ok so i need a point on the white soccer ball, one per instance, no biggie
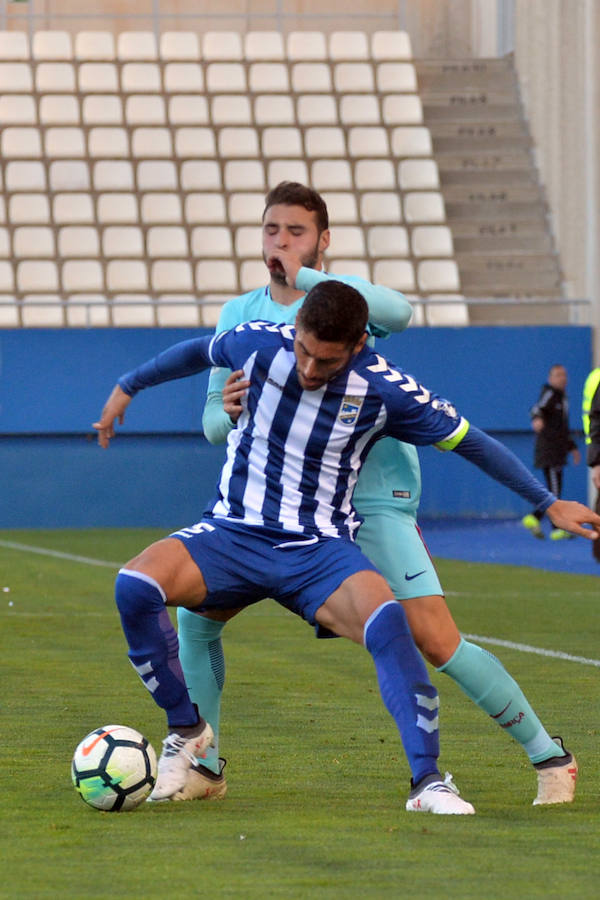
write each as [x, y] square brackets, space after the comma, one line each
[114, 768]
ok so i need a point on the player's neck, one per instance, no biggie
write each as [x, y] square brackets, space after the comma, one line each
[283, 294]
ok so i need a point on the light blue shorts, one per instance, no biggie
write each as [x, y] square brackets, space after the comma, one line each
[242, 565]
[393, 541]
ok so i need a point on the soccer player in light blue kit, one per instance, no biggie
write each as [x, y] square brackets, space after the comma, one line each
[282, 521]
[295, 231]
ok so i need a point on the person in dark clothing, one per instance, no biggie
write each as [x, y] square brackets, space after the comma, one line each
[553, 443]
[591, 430]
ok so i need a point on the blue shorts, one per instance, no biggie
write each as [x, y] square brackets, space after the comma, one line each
[243, 564]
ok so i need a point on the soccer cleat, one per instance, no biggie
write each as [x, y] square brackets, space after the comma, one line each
[557, 778]
[532, 524]
[179, 753]
[441, 797]
[559, 534]
[203, 784]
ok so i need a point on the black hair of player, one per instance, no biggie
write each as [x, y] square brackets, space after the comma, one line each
[292, 193]
[334, 311]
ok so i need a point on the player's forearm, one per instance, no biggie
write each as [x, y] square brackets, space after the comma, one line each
[501, 464]
[179, 361]
[388, 309]
[216, 423]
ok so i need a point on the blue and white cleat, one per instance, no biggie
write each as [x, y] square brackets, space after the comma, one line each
[440, 797]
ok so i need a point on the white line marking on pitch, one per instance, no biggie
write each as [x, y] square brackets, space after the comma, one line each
[527, 648]
[523, 648]
[11, 545]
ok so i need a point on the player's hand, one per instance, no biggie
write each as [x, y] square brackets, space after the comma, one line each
[114, 409]
[572, 516]
[285, 262]
[234, 389]
[537, 423]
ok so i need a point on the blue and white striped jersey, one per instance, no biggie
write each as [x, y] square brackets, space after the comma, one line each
[294, 458]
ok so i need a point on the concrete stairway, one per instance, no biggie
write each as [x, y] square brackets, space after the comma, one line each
[495, 204]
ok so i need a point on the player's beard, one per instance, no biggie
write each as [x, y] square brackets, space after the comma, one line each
[309, 261]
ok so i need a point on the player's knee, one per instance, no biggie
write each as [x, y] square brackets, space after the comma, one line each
[137, 594]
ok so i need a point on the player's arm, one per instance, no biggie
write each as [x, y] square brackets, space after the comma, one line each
[389, 310]
[537, 412]
[419, 417]
[216, 419]
[179, 361]
[501, 464]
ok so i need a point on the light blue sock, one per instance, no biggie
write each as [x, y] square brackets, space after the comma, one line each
[203, 664]
[405, 687]
[484, 679]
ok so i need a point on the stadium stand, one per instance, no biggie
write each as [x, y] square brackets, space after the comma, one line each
[134, 170]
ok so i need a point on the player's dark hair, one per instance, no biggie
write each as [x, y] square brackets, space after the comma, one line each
[334, 311]
[292, 193]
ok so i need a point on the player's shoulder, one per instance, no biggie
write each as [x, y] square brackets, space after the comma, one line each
[388, 379]
[259, 333]
[241, 308]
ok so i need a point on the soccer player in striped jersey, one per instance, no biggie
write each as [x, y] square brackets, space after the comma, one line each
[296, 235]
[282, 521]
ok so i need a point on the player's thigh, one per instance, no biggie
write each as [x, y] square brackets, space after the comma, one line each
[169, 563]
[347, 609]
[393, 542]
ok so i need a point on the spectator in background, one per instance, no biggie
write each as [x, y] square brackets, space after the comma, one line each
[553, 443]
[591, 429]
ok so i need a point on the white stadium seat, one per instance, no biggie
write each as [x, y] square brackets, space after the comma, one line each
[122, 241]
[78, 240]
[222, 45]
[380, 206]
[204, 207]
[94, 45]
[438, 275]
[348, 45]
[391, 45]
[51, 45]
[171, 275]
[432, 240]
[102, 109]
[306, 45]
[73, 208]
[14, 45]
[28, 208]
[179, 45]
[32, 241]
[137, 45]
[263, 45]
[167, 241]
[396, 273]
[121, 208]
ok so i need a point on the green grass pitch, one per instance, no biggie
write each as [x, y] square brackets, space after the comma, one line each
[317, 777]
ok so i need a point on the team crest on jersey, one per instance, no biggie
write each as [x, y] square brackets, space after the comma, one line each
[350, 409]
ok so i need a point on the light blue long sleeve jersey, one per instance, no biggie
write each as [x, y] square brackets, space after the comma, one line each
[391, 476]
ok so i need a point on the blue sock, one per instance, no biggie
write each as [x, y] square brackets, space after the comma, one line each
[203, 664]
[153, 645]
[484, 679]
[405, 687]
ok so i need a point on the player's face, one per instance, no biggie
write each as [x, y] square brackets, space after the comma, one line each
[318, 362]
[293, 229]
[558, 377]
